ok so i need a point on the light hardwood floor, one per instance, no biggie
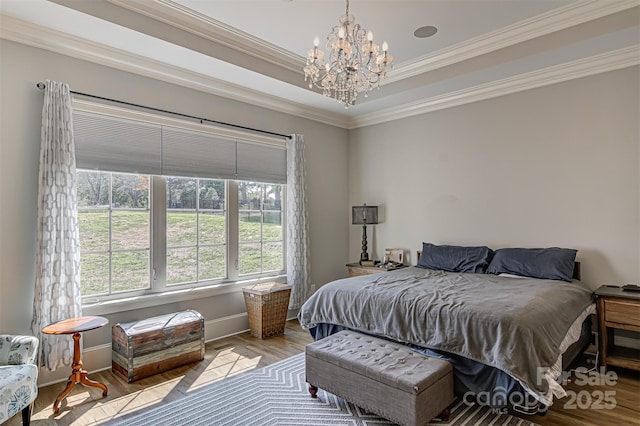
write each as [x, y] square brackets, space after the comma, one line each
[233, 355]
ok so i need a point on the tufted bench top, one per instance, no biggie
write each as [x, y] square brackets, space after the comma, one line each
[383, 361]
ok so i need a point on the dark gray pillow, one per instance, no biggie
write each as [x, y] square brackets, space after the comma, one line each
[455, 258]
[548, 263]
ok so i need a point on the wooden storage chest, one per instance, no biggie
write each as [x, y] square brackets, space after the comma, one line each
[147, 347]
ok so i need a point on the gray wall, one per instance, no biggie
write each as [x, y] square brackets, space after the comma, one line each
[21, 105]
[554, 166]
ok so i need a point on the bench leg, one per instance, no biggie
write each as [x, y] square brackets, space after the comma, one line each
[313, 391]
[444, 415]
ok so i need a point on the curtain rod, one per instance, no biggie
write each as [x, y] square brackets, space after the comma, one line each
[40, 85]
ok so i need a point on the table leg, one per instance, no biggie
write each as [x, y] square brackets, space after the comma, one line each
[88, 382]
[63, 395]
[603, 334]
[78, 375]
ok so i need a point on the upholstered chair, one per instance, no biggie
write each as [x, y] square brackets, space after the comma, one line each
[18, 376]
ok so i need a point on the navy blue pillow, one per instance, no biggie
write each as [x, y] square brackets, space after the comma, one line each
[455, 258]
[547, 263]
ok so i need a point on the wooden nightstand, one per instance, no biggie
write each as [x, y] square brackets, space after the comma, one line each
[617, 309]
[355, 269]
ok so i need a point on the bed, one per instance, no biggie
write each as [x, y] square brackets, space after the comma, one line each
[505, 334]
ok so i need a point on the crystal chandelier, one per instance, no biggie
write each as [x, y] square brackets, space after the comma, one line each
[355, 63]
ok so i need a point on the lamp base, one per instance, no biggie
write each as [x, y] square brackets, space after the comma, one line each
[364, 255]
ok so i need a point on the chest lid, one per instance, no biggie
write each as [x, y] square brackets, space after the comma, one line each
[160, 322]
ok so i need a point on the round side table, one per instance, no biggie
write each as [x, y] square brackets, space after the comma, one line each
[76, 326]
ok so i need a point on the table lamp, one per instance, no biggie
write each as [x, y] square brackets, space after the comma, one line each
[364, 215]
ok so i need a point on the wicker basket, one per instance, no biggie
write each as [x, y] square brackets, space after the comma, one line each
[267, 306]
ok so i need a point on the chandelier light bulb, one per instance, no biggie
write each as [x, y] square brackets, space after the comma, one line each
[353, 62]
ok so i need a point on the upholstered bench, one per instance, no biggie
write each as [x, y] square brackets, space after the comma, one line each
[382, 377]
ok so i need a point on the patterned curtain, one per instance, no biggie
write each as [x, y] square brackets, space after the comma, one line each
[298, 269]
[57, 283]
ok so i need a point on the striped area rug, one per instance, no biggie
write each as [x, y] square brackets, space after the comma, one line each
[277, 395]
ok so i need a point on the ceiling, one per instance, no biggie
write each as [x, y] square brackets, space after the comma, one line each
[254, 51]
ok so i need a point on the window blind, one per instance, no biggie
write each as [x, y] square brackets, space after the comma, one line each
[261, 162]
[189, 153]
[117, 145]
[109, 143]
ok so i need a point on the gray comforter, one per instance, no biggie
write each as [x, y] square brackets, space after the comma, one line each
[514, 324]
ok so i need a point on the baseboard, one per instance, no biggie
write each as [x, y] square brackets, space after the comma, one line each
[98, 358]
[220, 328]
[95, 358]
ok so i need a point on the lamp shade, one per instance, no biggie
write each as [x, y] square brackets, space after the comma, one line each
[364, 215]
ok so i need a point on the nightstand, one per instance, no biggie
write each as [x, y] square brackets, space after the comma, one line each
[617, 309]
[355, 269]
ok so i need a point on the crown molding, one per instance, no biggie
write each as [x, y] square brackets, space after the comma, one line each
[555, 20]
[189, 20]
[610, 61]
[23, 32]
[558, 19]
[44, 38]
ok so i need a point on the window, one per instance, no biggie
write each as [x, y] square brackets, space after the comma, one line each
[114, 215]
[114, 224]
[205, 206]
[196, 230]
[260, 225]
